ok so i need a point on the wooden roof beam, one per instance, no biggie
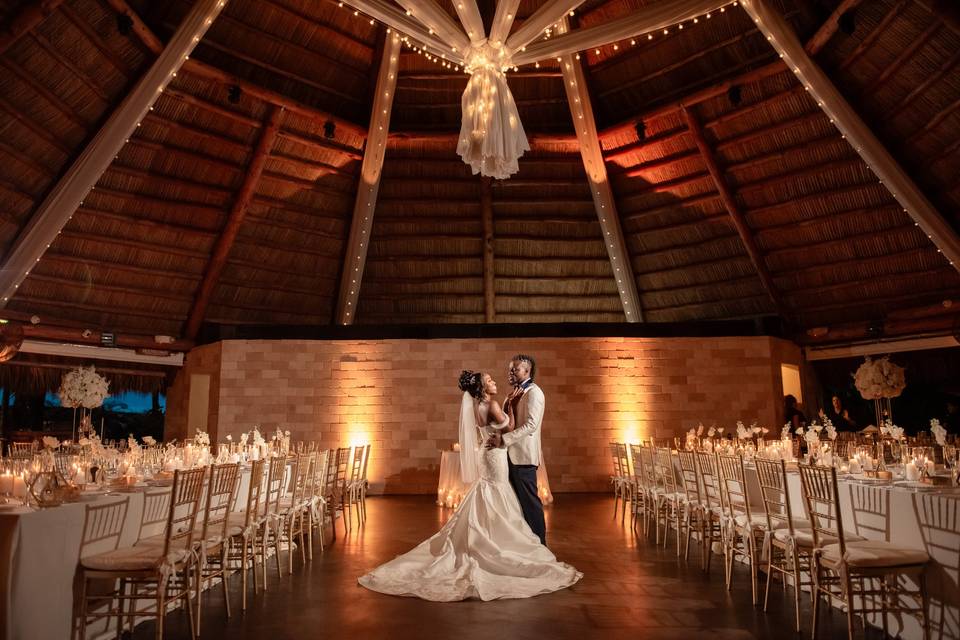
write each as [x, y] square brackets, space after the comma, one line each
[225, 241]
[584, 123]
[371, 171]
[736, 215]
[29, 17]
[489, 272]
[900, 185]
[829, 27]
[68, 194]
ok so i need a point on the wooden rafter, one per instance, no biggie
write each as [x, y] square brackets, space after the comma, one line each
[486, 212]
[24, 22]
[238, 211]
[829, 27]
[581, 110]
[361, 224]
[68, 194]
[736, 215]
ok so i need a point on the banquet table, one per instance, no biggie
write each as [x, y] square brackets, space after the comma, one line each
[923, 518]
[451, 489]
[926, 519]
[39, 551]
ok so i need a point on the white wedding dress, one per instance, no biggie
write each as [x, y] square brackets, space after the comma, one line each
[486, 550]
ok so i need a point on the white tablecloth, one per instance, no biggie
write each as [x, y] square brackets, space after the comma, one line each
[451, 489]
[39, 551]
[919, 519]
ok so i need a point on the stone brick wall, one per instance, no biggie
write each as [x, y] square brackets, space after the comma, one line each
[401, 395]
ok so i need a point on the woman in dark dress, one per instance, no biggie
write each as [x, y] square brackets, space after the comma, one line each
[793, 416]
[839, 416]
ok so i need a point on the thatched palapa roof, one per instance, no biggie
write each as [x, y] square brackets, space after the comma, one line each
[840, 252]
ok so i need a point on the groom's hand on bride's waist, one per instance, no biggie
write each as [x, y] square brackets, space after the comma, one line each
[493, 442]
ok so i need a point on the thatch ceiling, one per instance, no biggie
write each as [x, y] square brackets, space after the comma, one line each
[838, 247]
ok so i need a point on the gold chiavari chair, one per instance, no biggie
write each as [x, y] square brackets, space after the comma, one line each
[651, 490]
[713, 503]
[102, 529]
[212, 536]
[669, 501]
[318, 511]
[159, 565]
[246, 528]
[363, 484]
[641, 498]
[331, 495]
[351, 495]
[22, 450]
[790, 548]
[695, 513]
[615, 478]
[340, 485]
[271, 534]
[859, 573]
[294, 507]
[745, 529]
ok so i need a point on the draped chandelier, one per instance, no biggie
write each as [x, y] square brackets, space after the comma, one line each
[491, 137]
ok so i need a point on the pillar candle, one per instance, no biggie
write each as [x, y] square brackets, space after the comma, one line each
[6, 483]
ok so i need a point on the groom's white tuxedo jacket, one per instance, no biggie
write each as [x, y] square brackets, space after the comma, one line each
[523, 443]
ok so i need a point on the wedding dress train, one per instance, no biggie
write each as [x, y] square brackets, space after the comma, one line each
[485, 550]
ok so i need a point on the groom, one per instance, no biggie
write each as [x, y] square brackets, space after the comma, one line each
[523, 443]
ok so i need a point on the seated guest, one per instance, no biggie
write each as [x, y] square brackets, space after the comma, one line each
[791, 414]
[839, 416]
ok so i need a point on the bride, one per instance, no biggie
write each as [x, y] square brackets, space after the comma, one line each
[485, 550]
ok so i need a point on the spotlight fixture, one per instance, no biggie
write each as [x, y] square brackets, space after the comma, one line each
[108, 339]
[733, 93]
[641, 128]
[233, 94]
[848, 21]
[124, 24]
[329, 129]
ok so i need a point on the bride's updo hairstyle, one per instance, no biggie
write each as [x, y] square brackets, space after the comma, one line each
[472, 383]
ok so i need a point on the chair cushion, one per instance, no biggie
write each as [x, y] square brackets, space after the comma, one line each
[803, 537]
[759, 520]
[140, 557]
[874, 553]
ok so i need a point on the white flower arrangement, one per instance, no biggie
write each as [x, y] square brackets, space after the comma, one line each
[149, 441]
[812, 437]
[83, 387]
[712, 432]
[256, 438]
[830, 429]
[49, 442]
[699, 429]
[691, 439]
[742, 432]
[132, 445]
[202, 438]
[785, 431]
[892, 430]
[881, 378]
[939, 433]
[243, 439]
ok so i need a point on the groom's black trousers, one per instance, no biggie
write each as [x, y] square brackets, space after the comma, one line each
[523, 479]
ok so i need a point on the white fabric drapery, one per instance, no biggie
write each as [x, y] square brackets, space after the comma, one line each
[491, 134]
[469, 440]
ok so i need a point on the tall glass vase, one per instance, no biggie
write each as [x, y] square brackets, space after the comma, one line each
[883, 409]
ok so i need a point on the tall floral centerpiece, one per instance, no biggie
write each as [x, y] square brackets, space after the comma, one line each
[83, 388]
[880, 380]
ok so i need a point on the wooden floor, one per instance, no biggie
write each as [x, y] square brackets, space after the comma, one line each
[630, 589]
